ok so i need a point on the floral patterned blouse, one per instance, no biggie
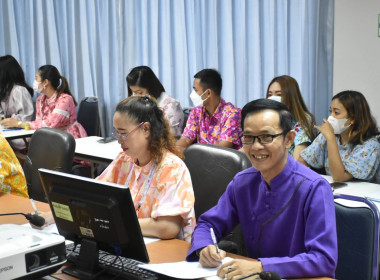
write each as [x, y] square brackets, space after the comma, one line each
[58, 113]
[12, 179]
[301, 136]
[173, 112]
[223, 125]
[170, 192]
[361, 161]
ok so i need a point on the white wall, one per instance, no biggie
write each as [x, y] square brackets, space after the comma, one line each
[357, 50]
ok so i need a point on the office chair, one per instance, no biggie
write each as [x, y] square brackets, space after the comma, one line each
[212, 168]
[48, 148]
[358, 238]
[88, 116]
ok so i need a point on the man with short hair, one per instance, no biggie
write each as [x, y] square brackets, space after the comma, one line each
[212, 120]
[285, 209]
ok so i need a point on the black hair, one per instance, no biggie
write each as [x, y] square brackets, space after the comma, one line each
[210, 79]
[144, 109]
[11, 74]
[144, 77]
[58, 82]
[286, 119]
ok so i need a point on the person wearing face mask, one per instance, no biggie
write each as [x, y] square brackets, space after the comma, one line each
[285, 89]
[142, 80]
[212, 120]
[15, 98]
[347, 147]
[56, 107]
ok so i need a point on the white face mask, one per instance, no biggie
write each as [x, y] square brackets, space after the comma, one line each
[197, 99]
[338, 124]
[36, 88]
[275, 98]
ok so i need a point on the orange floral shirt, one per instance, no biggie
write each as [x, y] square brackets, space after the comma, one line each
[12, 179]
[169, 194]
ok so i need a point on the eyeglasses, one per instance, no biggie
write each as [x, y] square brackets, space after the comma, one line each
[123, 137]
[263, 139]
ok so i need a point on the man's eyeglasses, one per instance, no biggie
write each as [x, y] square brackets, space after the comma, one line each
[263, 139]
[123, 137]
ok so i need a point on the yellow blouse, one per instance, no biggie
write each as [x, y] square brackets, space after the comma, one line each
[12, 179]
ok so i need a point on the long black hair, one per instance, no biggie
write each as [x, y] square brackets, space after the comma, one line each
[11, 74]
[144, 77]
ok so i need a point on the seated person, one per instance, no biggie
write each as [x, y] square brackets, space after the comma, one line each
[15, 97]
[286, 210]
[56, 107]
[141, 80]
[347, 147]
[212, 120]
[285, 89]
[150, 166]
[12, 179]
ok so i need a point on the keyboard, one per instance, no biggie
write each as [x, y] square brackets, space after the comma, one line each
[119, 267]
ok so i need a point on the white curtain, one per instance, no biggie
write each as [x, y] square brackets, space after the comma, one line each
[96, 43]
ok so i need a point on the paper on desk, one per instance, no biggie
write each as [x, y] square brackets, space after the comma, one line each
[184, 270]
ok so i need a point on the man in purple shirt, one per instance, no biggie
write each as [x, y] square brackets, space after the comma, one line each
[285, 209]
[212, 120]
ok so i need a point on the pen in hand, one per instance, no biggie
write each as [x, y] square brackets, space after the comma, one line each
[214, 240]
[34, 206]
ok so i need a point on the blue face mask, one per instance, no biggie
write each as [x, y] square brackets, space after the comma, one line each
[275, 98]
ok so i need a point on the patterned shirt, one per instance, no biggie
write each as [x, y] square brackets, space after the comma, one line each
[223, 125]
[58, 113]
[301, 136]
[361, 161]
[169, 194]
[12, 179]
[173, 112]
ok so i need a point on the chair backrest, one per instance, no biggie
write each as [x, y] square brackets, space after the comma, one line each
[48, 148]
[186, 112]
[88, 116]
[212, 168]
[358, 238]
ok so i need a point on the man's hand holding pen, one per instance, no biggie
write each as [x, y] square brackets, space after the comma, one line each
[209, 256]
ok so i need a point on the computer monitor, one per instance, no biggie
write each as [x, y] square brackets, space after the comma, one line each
[96, 214]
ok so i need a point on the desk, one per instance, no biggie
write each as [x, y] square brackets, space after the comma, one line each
[20, 133]
[89, 149]
[161, 251]
[357, 188]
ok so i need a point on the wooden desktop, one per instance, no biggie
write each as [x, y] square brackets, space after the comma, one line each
[175, 250]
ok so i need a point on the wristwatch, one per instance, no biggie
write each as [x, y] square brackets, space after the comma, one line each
[19, 123]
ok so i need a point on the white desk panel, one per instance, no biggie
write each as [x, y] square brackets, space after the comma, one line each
[89, 149]
[17, 133]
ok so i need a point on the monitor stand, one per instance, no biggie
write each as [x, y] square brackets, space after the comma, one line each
[87, 265]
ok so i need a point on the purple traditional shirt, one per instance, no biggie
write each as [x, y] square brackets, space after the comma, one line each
[223, 125]
[290, 226]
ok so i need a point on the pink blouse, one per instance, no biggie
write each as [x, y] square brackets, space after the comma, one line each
[58, 113]
[161, 190]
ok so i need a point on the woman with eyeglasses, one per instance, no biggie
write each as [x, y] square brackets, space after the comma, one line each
[151, 167]
[347, 147]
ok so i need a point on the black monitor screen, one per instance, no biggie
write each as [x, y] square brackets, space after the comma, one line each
[85, 208]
